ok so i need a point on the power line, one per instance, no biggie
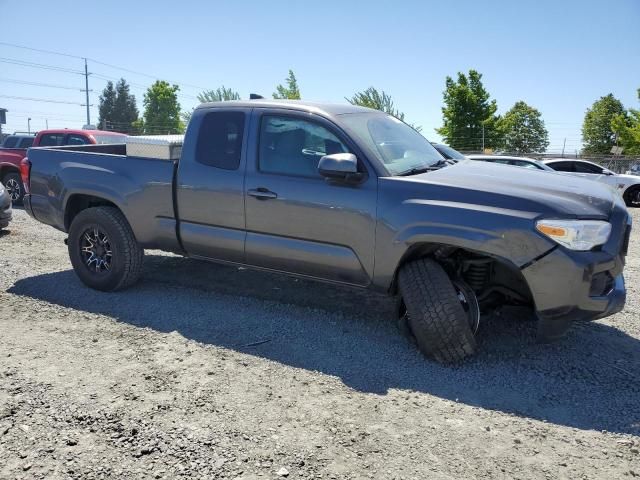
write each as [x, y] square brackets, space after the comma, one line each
[39, 65]
[37, 84]
[124, 69]
[41, 100]
[39, 50]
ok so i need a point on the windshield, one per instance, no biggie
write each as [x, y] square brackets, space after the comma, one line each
[102, 139]
[449, 152]
[397, 146]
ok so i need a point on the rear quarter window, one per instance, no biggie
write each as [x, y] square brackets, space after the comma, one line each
[220, 140]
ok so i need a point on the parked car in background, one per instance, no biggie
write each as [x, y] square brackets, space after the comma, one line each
[513, 161]
[634, 170]
[18, 141]
[347, 195]
[627, 185]
[10, 157]
[447, 152]
[5, 207]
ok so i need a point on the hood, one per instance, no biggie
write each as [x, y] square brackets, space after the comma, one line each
[627, 179]
[501, 186]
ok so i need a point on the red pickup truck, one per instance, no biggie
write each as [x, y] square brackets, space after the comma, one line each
[10, 158]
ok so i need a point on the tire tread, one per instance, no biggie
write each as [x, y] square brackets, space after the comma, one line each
[436, 316]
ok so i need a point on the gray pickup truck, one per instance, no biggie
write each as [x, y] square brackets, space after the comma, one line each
[347, 195]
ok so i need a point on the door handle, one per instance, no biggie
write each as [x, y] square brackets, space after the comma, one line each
[262, 193]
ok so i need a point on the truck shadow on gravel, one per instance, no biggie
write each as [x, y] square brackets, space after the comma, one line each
[589, 380]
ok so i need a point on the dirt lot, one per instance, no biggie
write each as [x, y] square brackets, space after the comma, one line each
[203, 371]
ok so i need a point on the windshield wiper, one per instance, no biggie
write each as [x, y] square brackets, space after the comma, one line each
[418, 170]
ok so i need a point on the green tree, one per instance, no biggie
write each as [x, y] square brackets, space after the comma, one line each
[627, 127]
[598, 135]
[291, 91]
[221, 94]
[126, 111]
[378, 100]
[522, 130]
[117, 110]
[161, 109]
[467, 109]
[107, 106]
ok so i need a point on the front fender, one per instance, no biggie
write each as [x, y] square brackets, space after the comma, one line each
[507, 235]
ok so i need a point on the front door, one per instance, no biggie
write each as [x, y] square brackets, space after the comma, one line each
[297, 221]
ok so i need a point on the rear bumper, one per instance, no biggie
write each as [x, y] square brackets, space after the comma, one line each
[568, 286]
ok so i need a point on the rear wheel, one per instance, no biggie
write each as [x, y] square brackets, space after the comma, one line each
[103, 249]
[442, 314]
[632, 196]
[13, 184]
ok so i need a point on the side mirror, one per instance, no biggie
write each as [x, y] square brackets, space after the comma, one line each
[608, 172]
[340, 166]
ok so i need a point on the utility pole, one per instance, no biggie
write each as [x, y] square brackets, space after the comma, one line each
[86, 90]
[29, 125]
[564, 144]
[482, 137]
[46, 122]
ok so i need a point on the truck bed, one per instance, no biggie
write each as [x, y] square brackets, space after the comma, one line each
[141, 187]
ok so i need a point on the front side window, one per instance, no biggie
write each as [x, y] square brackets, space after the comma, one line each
[292, 146]
[520, 163]
[583, 167]
[396, 145]
[220, 140]
[562, 166]
[76, 140]
[51, 140]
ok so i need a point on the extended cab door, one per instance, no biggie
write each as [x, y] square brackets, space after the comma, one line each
[297, 221]
[210, 181]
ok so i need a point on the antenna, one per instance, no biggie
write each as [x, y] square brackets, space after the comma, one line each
[255, 96]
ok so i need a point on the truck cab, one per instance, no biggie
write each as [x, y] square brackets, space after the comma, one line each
[347, 195]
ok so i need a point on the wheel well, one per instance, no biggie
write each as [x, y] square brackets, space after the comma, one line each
[500, 277]
[6, 169]
[79, 202]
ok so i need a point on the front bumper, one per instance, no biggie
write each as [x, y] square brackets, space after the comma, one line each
[567, 286]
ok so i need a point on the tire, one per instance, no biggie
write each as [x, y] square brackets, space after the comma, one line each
[435, 313]
[103, 249]
[632, 196]
[13, 184]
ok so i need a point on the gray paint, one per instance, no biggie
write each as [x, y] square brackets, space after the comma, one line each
[352, 233]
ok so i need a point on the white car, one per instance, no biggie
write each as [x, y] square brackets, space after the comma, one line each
[524, 162]
[627, 185]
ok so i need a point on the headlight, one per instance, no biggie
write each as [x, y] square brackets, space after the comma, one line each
[1, 189]
[576, 234]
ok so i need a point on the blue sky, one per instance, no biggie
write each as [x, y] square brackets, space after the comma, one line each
[558, 56]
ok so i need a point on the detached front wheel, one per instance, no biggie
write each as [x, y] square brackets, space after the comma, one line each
[442, 314]
[103, 249]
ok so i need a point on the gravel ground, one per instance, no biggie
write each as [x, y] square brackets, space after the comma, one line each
[203, 371]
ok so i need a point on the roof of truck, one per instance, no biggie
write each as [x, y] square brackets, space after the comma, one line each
[301, 105]
[79, 131]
